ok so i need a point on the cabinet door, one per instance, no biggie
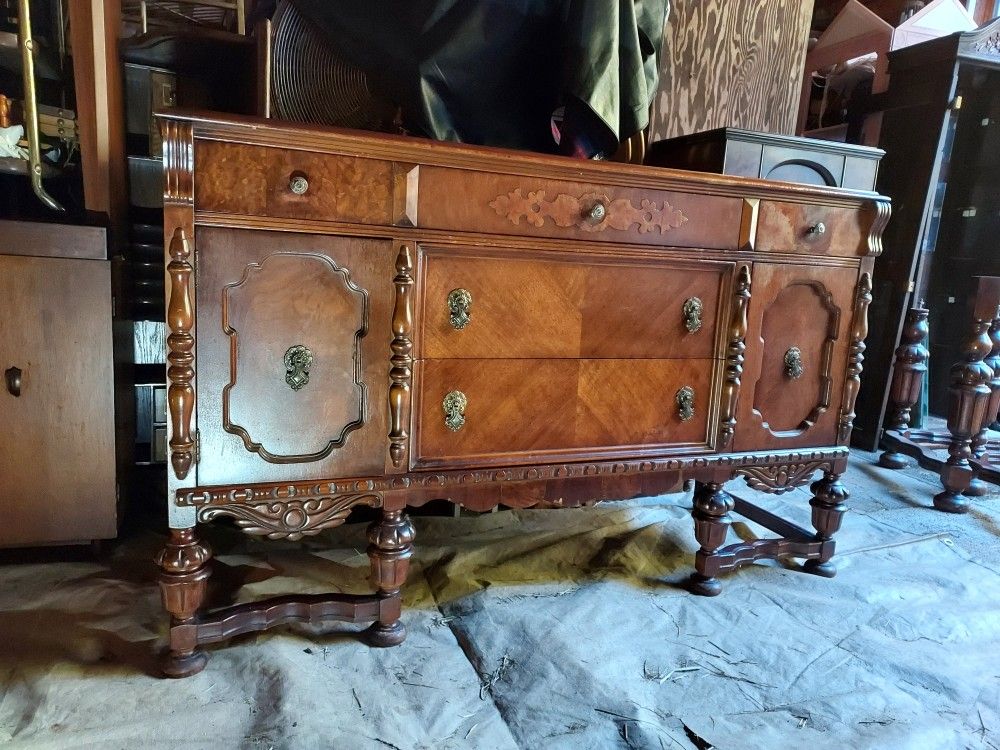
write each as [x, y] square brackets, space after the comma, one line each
[796, 357]
[292, 355]
[57, 429]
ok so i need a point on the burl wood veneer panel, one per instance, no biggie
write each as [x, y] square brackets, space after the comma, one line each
[523, 411]
[535, 305]
[794, 228]
[731, 63]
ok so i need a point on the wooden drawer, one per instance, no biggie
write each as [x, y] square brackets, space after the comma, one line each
[812, 229]
[519, 411]
[528, 305]
[257, 181]
[464, 200]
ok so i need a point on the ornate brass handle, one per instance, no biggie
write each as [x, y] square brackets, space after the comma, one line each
[597, 213]
[298, 360]
[816, 229]
[12, 376]
[692, 314]
[454, 410]
[298, 183]
[685, 403]
[793, 363]
[459, 308]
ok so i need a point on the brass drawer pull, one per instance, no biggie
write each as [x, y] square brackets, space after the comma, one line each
[454, 410]
[12, 376]
[597, 213]
[459, 308]
[692, 314]
[298, 360]
[298, 183]
[793, 363]
[816, 229]
[685, 403]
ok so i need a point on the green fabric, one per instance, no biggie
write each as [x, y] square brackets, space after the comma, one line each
[493, 71]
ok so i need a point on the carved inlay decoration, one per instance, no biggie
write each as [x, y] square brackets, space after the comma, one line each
[401, 361]
[291, 519]
[781, 478]
[572, 211]
[734, 357]
[180, 356]
[856, 357]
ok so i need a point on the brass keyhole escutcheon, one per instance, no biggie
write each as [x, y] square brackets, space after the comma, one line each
[454, 410]
[793, 363]
[685, 403]
[460, 308]
[298, 360]
[692, 314]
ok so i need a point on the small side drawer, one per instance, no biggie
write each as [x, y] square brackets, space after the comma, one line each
[813, 229]
[511, 305]
[261, 181]
[485, 412]
[469, 201]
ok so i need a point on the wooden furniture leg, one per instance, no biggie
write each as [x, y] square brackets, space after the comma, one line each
[390, 551]
[712, 506]
[977, 487]
[907, 380]
[828, 508]
[184, 570]
[969, 395]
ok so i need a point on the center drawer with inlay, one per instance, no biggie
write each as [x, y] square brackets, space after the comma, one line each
[482, 412]
[481, 304]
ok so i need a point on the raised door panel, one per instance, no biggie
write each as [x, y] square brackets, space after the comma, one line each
[520, 304]
[57, 430]
[293, 349]
[488, 412]
[796, 356]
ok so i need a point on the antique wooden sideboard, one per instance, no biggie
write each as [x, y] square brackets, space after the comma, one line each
[365, 320]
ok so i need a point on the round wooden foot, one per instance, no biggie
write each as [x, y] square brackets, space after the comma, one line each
[815, 567]
[704, 585]
[175, 665]
[976, 488]
[893, 460]
[951, 502]
[383, 636]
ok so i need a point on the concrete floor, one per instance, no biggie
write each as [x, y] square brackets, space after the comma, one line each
[541, 628]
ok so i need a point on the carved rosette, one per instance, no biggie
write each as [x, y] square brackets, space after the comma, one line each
[401, 361]
[734, 358]
[856, 358]
[781, 478]
[180, 356]
[291, 519]
[579, 212]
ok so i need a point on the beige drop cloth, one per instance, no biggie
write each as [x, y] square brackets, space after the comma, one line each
[541, 629]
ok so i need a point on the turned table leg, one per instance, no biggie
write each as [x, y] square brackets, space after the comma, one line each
[968, 397]
[712, 505]
[828, 507]
[907, 380]
[977, 487]
[390, 551]
[184, 570]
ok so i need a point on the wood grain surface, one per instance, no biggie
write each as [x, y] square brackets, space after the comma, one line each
[731, 63]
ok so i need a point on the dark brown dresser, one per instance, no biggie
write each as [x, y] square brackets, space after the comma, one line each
[365, 320]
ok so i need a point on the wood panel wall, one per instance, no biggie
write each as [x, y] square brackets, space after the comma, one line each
[731, 63]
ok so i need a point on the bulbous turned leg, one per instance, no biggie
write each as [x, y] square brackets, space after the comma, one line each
[390, 551]
[712, 505]
[828, 508]
[908, 372]
[184, 570]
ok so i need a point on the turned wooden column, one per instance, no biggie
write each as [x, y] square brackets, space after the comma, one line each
[968, 397]
[907, 380]
[712, 506]
[828, 507]
[390, 551]
[977, 487]
[184, 570]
